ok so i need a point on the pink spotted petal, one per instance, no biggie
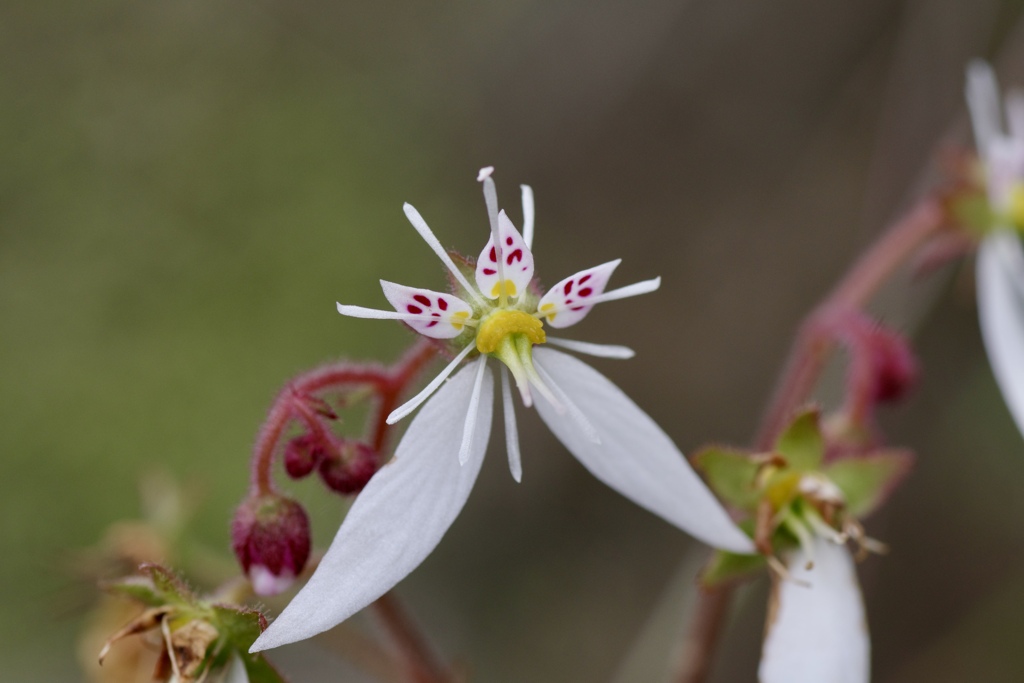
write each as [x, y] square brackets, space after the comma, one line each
[516, 265]
[447, 313]
[566, 303]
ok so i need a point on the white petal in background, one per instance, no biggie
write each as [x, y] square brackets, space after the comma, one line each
[1000, 274]
[398, 519]
[817, 632]
[235, 671]
[634, 456]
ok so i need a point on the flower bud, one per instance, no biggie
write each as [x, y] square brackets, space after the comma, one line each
[349, 469]
[302, 455]
[895, 368]
[270, 537]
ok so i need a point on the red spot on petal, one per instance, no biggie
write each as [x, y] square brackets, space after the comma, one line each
[568, 288]
[586, 291]
[493, 255]
[577, 308]
[431, 323]
[489, 271]
[414, 309]
[436, 315]
[442, 304]
[422, 299]
[508, 241]
[585, 278]
[568, 301]
[516, 255]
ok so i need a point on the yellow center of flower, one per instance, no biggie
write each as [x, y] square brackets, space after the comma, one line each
[502, 324]
[1016, 207]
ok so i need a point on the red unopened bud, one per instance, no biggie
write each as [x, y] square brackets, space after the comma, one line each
[270, 537]
[350, 468]
[302, 455]
[895, 368]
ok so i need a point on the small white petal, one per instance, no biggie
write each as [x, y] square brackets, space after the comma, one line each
[635, 457]
[511, 264]
[469, 425]
[528, 215]
[235, 671]
[817, 631]
[982, 94]
[398, 519]
[414, 402]
[515, 458]
[440, 315]
[569, 300]
[428, 236]
[598, 350]
[1000, 274]
[484, 173]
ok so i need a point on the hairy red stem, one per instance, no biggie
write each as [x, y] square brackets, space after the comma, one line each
[388, 384]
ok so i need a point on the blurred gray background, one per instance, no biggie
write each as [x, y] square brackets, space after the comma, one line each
[186, 188]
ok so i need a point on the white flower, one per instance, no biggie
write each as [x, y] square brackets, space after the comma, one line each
[401, 515]
[817, 631]
[1000, 268]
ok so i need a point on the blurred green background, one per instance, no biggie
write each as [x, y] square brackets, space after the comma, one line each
[186, 188]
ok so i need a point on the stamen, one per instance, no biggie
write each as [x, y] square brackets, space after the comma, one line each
[469, 426]
[413, 403]
[428, 236]
[515, 460]
[598, 350]
[636, 289]
[377, 314]
[527, 215]
[491, 200]
[803, 535]
[782, 571]
[571, 408]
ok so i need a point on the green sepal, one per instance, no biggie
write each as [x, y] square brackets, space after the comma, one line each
[731, 474]
[801, 444]
[240, 627]
[973, 211]
[725, 567]
[168, 585]
[137, 588]
[866, 480]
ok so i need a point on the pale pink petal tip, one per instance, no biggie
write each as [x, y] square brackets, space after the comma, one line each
[264, 582]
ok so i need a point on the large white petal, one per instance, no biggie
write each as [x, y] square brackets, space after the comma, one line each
[816, 631]
[634, 457]
[1000, 275]
[398, 519]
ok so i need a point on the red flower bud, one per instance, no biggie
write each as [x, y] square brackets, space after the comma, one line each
[350, 468]
[270, 537]
[302, 455]
[894, 365]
